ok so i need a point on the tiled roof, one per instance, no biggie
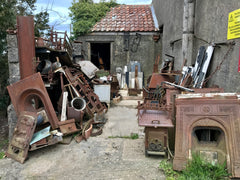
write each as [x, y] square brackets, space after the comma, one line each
[127, 18]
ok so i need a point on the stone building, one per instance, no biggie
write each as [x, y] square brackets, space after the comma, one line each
[189, 24]
[127, 33]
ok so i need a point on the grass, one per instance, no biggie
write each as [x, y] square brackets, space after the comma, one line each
[132, 136]
[196, 169]
[2, 154]
[3, 143]
[167, 168]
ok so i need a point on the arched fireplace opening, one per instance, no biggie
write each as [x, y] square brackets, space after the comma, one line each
[210, 144]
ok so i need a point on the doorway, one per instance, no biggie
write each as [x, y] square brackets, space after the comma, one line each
[100, 55]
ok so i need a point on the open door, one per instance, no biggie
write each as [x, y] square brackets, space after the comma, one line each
[100, 55]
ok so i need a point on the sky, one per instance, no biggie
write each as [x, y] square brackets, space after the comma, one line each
[58, 11]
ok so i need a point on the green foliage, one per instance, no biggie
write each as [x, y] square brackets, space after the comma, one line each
[41, 23]
[25, 7]
[2, 154]
[3, 144]
[167, 168]
[197, 169]
[7, 19]
[134, 136]
[9, 9]
[85, 14]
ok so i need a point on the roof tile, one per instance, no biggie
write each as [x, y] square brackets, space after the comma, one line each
[127, 18]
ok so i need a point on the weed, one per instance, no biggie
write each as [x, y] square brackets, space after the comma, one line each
[197, 169]
[167, 168]
[3, 143]
[132, 136]
[2, 154]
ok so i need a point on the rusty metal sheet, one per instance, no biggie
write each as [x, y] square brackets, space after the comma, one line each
[157, 79]
[211, 111]
[45, 142]
[154, 118]
[72, 113]
[68, 127]
[22, 135]
[22, 93]
[208, 90]
[85, 135]
[26, 45]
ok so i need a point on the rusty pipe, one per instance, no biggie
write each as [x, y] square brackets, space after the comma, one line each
[74, 89]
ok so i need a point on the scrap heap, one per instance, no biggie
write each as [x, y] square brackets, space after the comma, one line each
[54, 97]
[157, 112]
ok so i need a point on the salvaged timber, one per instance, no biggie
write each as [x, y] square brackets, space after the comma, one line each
[32, 89]
[208, 124]
[22, 135]
[26, 45]
[64, 106]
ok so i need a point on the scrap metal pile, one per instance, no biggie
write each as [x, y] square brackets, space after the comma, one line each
[157, 112]
[54, 97]
[181, 116]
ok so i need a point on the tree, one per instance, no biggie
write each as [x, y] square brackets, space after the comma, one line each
[41, 23]
[85, 14]
[9, 9]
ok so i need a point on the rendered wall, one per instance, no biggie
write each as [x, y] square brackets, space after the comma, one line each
[146, 53]
[211, 21]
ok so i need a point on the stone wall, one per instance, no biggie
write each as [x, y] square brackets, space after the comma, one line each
[211, 21]
[14, 76]
[146, 52]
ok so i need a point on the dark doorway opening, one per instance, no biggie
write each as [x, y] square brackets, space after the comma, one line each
[100, 55]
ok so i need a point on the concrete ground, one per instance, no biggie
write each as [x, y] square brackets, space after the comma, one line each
[102, 157]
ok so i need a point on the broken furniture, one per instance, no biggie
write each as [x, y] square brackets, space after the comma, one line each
[208, 125]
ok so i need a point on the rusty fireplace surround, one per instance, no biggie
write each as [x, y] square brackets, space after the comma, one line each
[217, 112]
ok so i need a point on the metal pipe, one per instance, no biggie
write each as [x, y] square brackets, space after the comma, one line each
[78, 103]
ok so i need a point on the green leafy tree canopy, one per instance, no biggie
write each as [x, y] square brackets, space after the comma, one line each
[85, 14]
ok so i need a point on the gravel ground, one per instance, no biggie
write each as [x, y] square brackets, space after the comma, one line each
[97, 158]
